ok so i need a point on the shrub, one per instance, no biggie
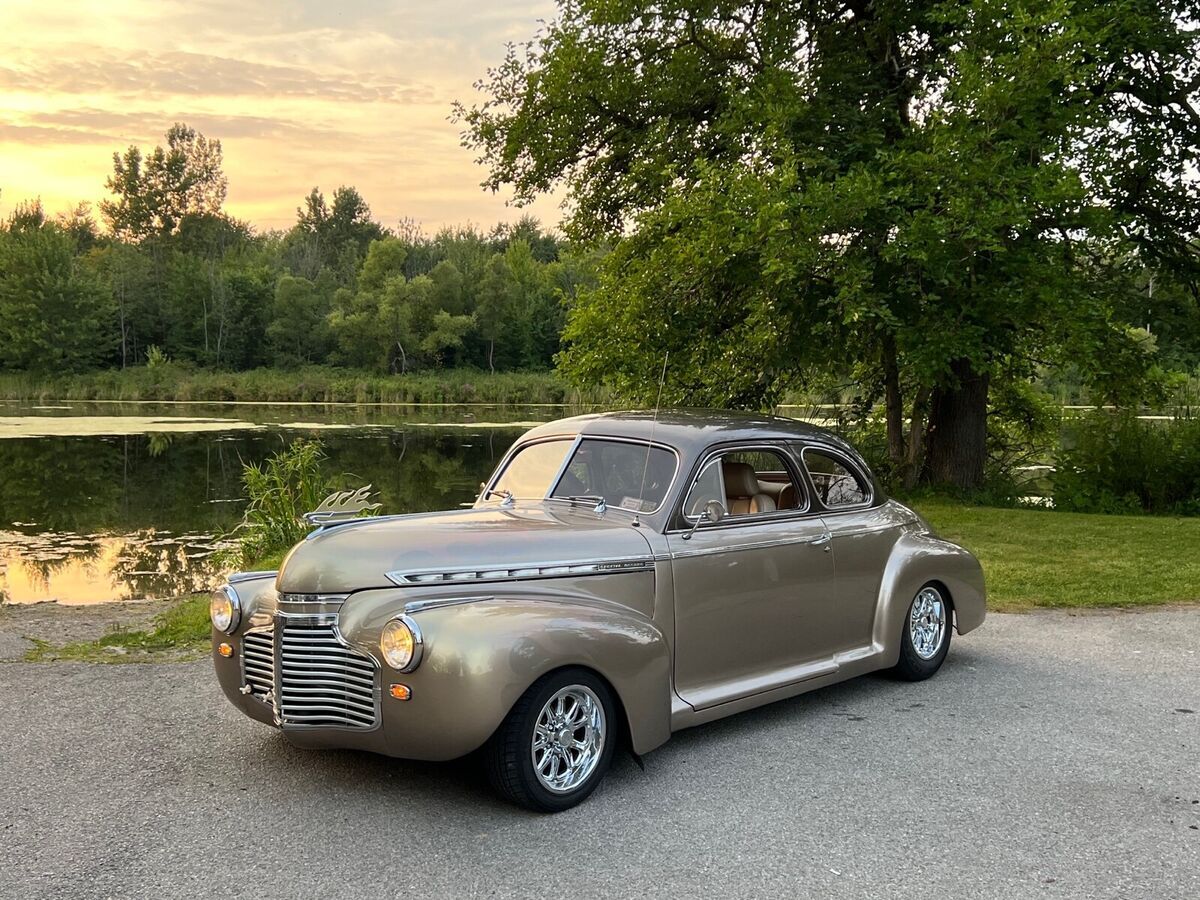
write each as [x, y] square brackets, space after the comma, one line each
[1117, 463]
[280, 490]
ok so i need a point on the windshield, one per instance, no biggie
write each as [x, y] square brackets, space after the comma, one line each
[530, 473]
[618, 472]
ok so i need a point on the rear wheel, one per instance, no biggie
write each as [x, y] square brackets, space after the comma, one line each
[556, 743]
[925, 640]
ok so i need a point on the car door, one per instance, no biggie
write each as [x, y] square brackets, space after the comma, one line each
[754, 593]
[863, 534]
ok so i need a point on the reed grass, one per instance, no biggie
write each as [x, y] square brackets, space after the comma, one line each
[172, 382]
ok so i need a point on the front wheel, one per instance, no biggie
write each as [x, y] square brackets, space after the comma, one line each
[555, 745]
[925, 640]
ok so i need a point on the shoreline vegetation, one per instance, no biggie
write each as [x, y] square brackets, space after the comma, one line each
[172, 383]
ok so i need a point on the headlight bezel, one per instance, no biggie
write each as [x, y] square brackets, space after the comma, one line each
[230, 596]
[416, 638]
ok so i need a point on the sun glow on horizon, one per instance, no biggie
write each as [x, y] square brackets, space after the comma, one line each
[299, 94]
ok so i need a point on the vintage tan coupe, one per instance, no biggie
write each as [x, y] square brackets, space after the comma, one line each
[619, 578]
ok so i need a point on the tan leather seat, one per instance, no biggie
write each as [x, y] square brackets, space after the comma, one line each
[743, 494]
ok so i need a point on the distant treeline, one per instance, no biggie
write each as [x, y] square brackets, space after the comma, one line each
[173, 277]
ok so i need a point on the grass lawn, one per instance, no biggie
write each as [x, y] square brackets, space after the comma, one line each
[1041, 558]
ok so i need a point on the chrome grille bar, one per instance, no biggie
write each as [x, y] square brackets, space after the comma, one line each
[258, 663]
[322, 681]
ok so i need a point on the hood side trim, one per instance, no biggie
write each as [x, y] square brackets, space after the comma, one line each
[524, 572]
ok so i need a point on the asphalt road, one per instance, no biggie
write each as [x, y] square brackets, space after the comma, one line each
[1053, 756]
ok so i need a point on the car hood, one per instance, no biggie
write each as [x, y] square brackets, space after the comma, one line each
[360, 554]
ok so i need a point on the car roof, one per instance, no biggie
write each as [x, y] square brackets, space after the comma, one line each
[689, 430]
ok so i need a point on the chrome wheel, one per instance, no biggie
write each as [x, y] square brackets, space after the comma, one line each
[568, 739]
[927, 623]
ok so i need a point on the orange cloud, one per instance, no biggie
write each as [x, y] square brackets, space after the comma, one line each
[299, 93]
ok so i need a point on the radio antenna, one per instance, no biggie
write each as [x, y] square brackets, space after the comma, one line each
[637, 517]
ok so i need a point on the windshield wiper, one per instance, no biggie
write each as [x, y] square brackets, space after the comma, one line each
[587, 498]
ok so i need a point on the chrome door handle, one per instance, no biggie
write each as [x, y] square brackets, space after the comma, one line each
[821, 540]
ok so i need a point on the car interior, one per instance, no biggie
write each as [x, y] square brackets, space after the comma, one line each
[747, 483]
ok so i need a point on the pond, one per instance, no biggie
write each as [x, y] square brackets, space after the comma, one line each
[114, 501]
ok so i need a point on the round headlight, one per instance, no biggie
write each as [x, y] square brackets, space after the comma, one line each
[400, 644]
[224, 609]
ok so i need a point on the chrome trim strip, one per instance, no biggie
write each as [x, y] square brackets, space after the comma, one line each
[737, 548]
[237, 577]
[416, 606]
[523, 572]
[311, 598]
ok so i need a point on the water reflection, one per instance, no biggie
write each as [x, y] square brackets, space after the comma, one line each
[78, 570]
[99, 518]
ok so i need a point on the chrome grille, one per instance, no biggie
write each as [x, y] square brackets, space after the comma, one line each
[322, 681]
[258, 662]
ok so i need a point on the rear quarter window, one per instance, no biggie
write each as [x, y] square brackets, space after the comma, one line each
[837, 483]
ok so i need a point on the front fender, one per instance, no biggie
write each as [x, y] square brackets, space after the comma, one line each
[916, 560]
[256, 594]
[480, 655]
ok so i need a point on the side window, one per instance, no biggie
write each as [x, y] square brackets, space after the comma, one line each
[835, 483]
[708, 487]
[747, 483]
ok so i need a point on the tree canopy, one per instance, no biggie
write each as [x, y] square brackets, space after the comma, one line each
[177, 277]
[933, 197]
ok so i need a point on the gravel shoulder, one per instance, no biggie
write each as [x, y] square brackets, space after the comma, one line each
[21, 624]
[1054, 756]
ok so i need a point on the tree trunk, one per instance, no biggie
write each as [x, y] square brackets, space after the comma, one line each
[914, 460]
[957, 434]
[893, 402]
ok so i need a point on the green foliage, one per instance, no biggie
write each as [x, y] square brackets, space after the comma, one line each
[280, 490]
[931, 197]
[55, 315]
[298, 332]
[1119, 464]
[153, 194]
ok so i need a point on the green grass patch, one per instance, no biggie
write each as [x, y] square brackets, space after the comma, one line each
[183, 628]
[314, 384]
[1044, 558]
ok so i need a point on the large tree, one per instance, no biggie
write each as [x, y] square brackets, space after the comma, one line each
[153, 193]
[940, 195]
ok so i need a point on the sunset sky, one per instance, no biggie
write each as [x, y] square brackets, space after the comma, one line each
[300, 93]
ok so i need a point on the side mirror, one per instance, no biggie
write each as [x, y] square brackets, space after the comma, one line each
[713, 512]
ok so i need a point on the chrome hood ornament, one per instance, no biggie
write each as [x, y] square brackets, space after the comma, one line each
[342, 506]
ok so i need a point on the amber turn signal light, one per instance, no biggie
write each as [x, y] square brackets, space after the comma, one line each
[225, 650]
[400, 691]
